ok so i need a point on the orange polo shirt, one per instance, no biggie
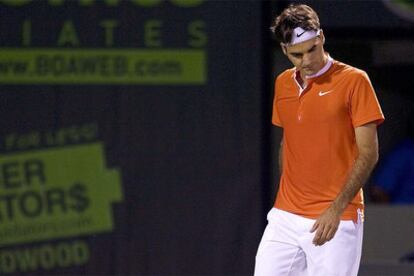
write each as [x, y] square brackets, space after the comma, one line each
[319, 147]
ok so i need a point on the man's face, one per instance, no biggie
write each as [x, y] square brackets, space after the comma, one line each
[308, 56]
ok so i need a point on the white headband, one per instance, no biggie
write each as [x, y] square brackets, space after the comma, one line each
[300, 35]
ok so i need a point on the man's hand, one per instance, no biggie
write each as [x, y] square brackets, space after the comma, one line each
[326, 226]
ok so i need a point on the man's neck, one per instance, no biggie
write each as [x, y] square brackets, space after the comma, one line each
[302, 82]
[302, 79]
[324, 61]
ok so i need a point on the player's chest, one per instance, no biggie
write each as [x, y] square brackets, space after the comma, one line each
[317, 104]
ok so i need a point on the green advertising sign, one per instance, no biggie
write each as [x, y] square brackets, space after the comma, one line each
[103, 49]
[56, 193]
[98, 66]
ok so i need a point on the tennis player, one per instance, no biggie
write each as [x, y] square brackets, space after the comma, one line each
[329, 114]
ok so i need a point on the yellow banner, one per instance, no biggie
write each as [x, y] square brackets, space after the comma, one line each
[101, 66]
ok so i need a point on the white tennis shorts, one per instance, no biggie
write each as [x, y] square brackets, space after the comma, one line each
[286, 248]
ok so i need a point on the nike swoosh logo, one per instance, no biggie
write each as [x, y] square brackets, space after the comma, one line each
[324, 93]
[299, 35]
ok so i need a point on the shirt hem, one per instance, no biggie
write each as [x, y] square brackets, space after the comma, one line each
[277, 124]
[351, 213]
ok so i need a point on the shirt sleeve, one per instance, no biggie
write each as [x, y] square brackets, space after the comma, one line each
[275, 116]
[365, 107]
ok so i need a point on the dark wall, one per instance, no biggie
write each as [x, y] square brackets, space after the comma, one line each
[178, 183]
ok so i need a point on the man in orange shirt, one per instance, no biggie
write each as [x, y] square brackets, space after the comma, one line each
[329, 114]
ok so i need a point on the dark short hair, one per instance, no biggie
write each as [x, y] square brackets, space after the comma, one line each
[296, 15]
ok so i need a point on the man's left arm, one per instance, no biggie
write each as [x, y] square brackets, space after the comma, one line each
[367, 142]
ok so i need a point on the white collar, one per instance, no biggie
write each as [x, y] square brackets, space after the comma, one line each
[322, 71]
